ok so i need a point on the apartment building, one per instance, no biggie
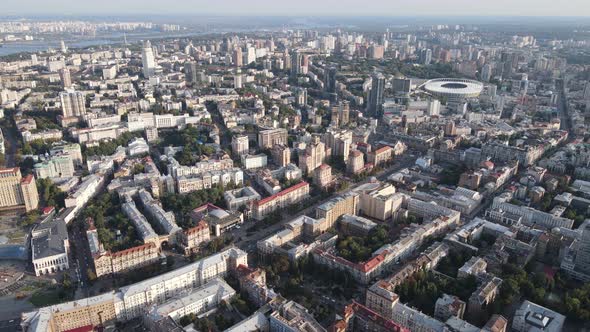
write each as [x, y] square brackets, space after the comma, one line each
[191, 239]
[134, 300]
[268, 138]
[331, 210]
[281, 200]
[196, 301]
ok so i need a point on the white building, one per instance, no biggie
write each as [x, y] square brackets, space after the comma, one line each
[134, 300]
[196, 301]
[138, 146]
[50, 247]
[254, 161]
[531, 317]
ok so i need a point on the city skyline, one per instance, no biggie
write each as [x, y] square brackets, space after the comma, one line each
[573, 8]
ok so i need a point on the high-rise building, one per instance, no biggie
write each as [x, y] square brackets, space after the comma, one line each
[73, 104]
[190, 72]
[486, 72]
[402, 85]
[301, 97]
[238, 58]
[587, 91]
[66, 78]
[376, 52]
[250, 55]
[147, 59]
[330, 79]
[313, 156]
[375, 103]
[16, 191]
[281, 155]
[426, 56]
[238, 80]
[297, 63]
[62, 46]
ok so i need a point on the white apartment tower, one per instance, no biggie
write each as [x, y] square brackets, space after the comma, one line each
[147, 59]
[73, 104]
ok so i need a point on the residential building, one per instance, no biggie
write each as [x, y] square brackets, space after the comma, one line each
[240, 198]
[312, 156]
[196, 301]
[133, 300]
[322, 176]
[254, 161]
[190, 240]
[240, 145]
[281, 155]
[449, 306]
[333, 209]
[292, 316]
[268, 138]
[356, 162]
[73, 104]
[217, 219]
[281, 200]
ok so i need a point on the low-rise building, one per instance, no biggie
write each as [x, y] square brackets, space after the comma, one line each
[191, 239]
[531, 317]
[239, 198]
[449, 306]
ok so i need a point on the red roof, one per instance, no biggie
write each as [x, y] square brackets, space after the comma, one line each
[134, 249]
[282, 193]
[27, 179]
[86, 328]
[9, 170]
[383, 149]
[47, 210]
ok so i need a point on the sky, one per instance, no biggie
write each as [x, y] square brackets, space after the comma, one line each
[300, 7]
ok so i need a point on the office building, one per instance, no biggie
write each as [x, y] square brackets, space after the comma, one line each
[330, 79]
[531, 317]
[376, 96]
[55, 167]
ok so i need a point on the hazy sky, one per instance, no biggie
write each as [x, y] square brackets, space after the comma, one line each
[301, 7]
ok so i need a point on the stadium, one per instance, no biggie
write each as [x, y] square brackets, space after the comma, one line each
[453, 88]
